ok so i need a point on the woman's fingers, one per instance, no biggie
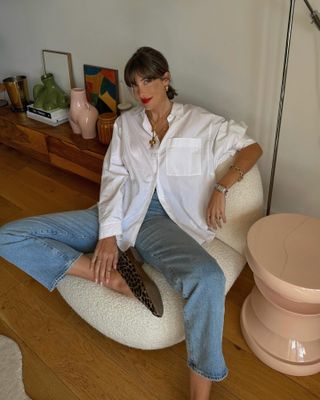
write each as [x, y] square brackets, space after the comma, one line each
[115, 260]
[97, 266]
[105, 257]
[215, 218]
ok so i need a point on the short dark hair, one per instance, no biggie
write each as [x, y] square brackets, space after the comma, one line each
[148, 63]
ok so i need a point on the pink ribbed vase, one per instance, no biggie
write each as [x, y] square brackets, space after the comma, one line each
[82, 115]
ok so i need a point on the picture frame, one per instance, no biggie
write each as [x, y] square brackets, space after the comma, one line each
[59, 63]
[102, 88]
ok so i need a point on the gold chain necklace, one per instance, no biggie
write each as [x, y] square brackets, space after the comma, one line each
[153, 141]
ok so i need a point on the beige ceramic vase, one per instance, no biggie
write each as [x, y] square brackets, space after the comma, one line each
[82, 115]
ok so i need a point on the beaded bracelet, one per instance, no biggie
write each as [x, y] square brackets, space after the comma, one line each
[239, 170]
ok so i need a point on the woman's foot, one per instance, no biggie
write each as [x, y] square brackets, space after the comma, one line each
[81, 268]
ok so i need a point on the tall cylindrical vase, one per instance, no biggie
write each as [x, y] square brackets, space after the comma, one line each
[82, 116]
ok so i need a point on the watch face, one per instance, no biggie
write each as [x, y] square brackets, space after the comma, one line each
[221, 188]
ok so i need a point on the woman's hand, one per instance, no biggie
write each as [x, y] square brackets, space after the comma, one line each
[216, 210]
[105, 257]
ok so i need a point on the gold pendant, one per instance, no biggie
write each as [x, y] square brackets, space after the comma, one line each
[152, 142]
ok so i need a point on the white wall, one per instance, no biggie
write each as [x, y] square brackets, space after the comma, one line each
[225, 55]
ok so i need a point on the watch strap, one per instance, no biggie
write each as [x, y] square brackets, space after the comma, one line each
[220, 188]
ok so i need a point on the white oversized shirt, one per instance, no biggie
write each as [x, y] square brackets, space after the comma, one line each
[181, 168]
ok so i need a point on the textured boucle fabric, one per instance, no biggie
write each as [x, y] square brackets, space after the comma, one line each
[126, 320]
[244, 206]
[11, 383]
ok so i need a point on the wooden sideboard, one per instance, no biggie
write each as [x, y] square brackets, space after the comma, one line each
[58, 145]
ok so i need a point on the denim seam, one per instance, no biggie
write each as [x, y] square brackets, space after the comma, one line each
[208, 376]
[52, 232]
[188, 342]
[63, 273]
[45, 244]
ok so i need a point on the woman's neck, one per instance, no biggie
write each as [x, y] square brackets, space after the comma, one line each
[159, 112]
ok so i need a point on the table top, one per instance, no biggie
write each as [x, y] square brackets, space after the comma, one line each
[62, 131]
[287, 246]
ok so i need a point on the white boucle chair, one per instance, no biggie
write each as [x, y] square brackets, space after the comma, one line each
[127, 321]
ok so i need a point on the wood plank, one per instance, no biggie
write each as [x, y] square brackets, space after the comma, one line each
[71, 166]
[63, 132]
[311, 383]
[78, 363]
[259, 382]
[8, 211]
[52, 299]
[56, 193]
[24, 196]
[87, 159]
[36, 194]
[24, 139]
[7, 280]
[40, 382]
[68, 179]
[7, 154]
[17, 274]
[153, 368]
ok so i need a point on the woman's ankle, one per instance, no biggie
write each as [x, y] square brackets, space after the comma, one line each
[200, 387]
[81, 268]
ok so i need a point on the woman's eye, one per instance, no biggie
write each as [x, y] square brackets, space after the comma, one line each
[146, 81]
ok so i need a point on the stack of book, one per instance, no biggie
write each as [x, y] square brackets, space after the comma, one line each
[54, 117]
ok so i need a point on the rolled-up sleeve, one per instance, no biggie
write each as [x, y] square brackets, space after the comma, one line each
[230, 138]
[114, 175]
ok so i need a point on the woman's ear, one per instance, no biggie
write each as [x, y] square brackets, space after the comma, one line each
[166, 78]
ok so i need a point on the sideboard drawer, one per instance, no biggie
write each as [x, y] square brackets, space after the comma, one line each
[82, 162]
[24, 139]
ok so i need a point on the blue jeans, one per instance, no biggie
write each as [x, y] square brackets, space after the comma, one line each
[45, 247]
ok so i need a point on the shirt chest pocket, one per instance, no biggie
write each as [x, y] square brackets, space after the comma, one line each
[183, 157]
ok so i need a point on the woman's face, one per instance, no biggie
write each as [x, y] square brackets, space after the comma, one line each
[151, 93]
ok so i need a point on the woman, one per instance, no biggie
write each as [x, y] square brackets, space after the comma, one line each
[159, 194]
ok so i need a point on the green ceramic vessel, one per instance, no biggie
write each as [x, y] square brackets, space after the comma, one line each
[48, 95]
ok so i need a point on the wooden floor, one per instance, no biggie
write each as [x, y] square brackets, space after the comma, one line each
[65, 359]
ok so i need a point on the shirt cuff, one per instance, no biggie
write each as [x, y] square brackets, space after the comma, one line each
[110, 230]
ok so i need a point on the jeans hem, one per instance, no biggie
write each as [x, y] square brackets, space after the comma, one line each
[63, 273]
[210, 377]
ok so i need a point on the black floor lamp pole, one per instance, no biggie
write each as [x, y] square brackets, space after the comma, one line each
[281, 101]
[315, 18]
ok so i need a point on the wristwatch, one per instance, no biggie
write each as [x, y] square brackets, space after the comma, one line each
[221, 188]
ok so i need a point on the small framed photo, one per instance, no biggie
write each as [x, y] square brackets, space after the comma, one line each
[102, 88]
[59, 63]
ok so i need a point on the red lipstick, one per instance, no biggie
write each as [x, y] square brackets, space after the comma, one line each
[146, 101]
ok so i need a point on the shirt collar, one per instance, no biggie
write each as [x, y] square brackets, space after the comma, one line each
[176, 111]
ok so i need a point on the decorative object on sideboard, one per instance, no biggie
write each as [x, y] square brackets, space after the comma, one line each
[59, 63]
[105, 127]
[102, 89]
[124, 98]
[3, 102]
[49, 96]
[53, 117]
[17, 89]
[82, 115]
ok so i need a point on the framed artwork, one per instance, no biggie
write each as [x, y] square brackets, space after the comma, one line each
[102, 88]
[59, 63]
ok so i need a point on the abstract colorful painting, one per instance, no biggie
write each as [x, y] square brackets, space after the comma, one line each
[102, 88]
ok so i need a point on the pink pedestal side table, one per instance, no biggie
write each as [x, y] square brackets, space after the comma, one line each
[280, 319]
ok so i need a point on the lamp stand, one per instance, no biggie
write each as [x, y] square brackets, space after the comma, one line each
[281, 101]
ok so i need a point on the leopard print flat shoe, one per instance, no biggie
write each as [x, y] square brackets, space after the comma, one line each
[143, 288]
